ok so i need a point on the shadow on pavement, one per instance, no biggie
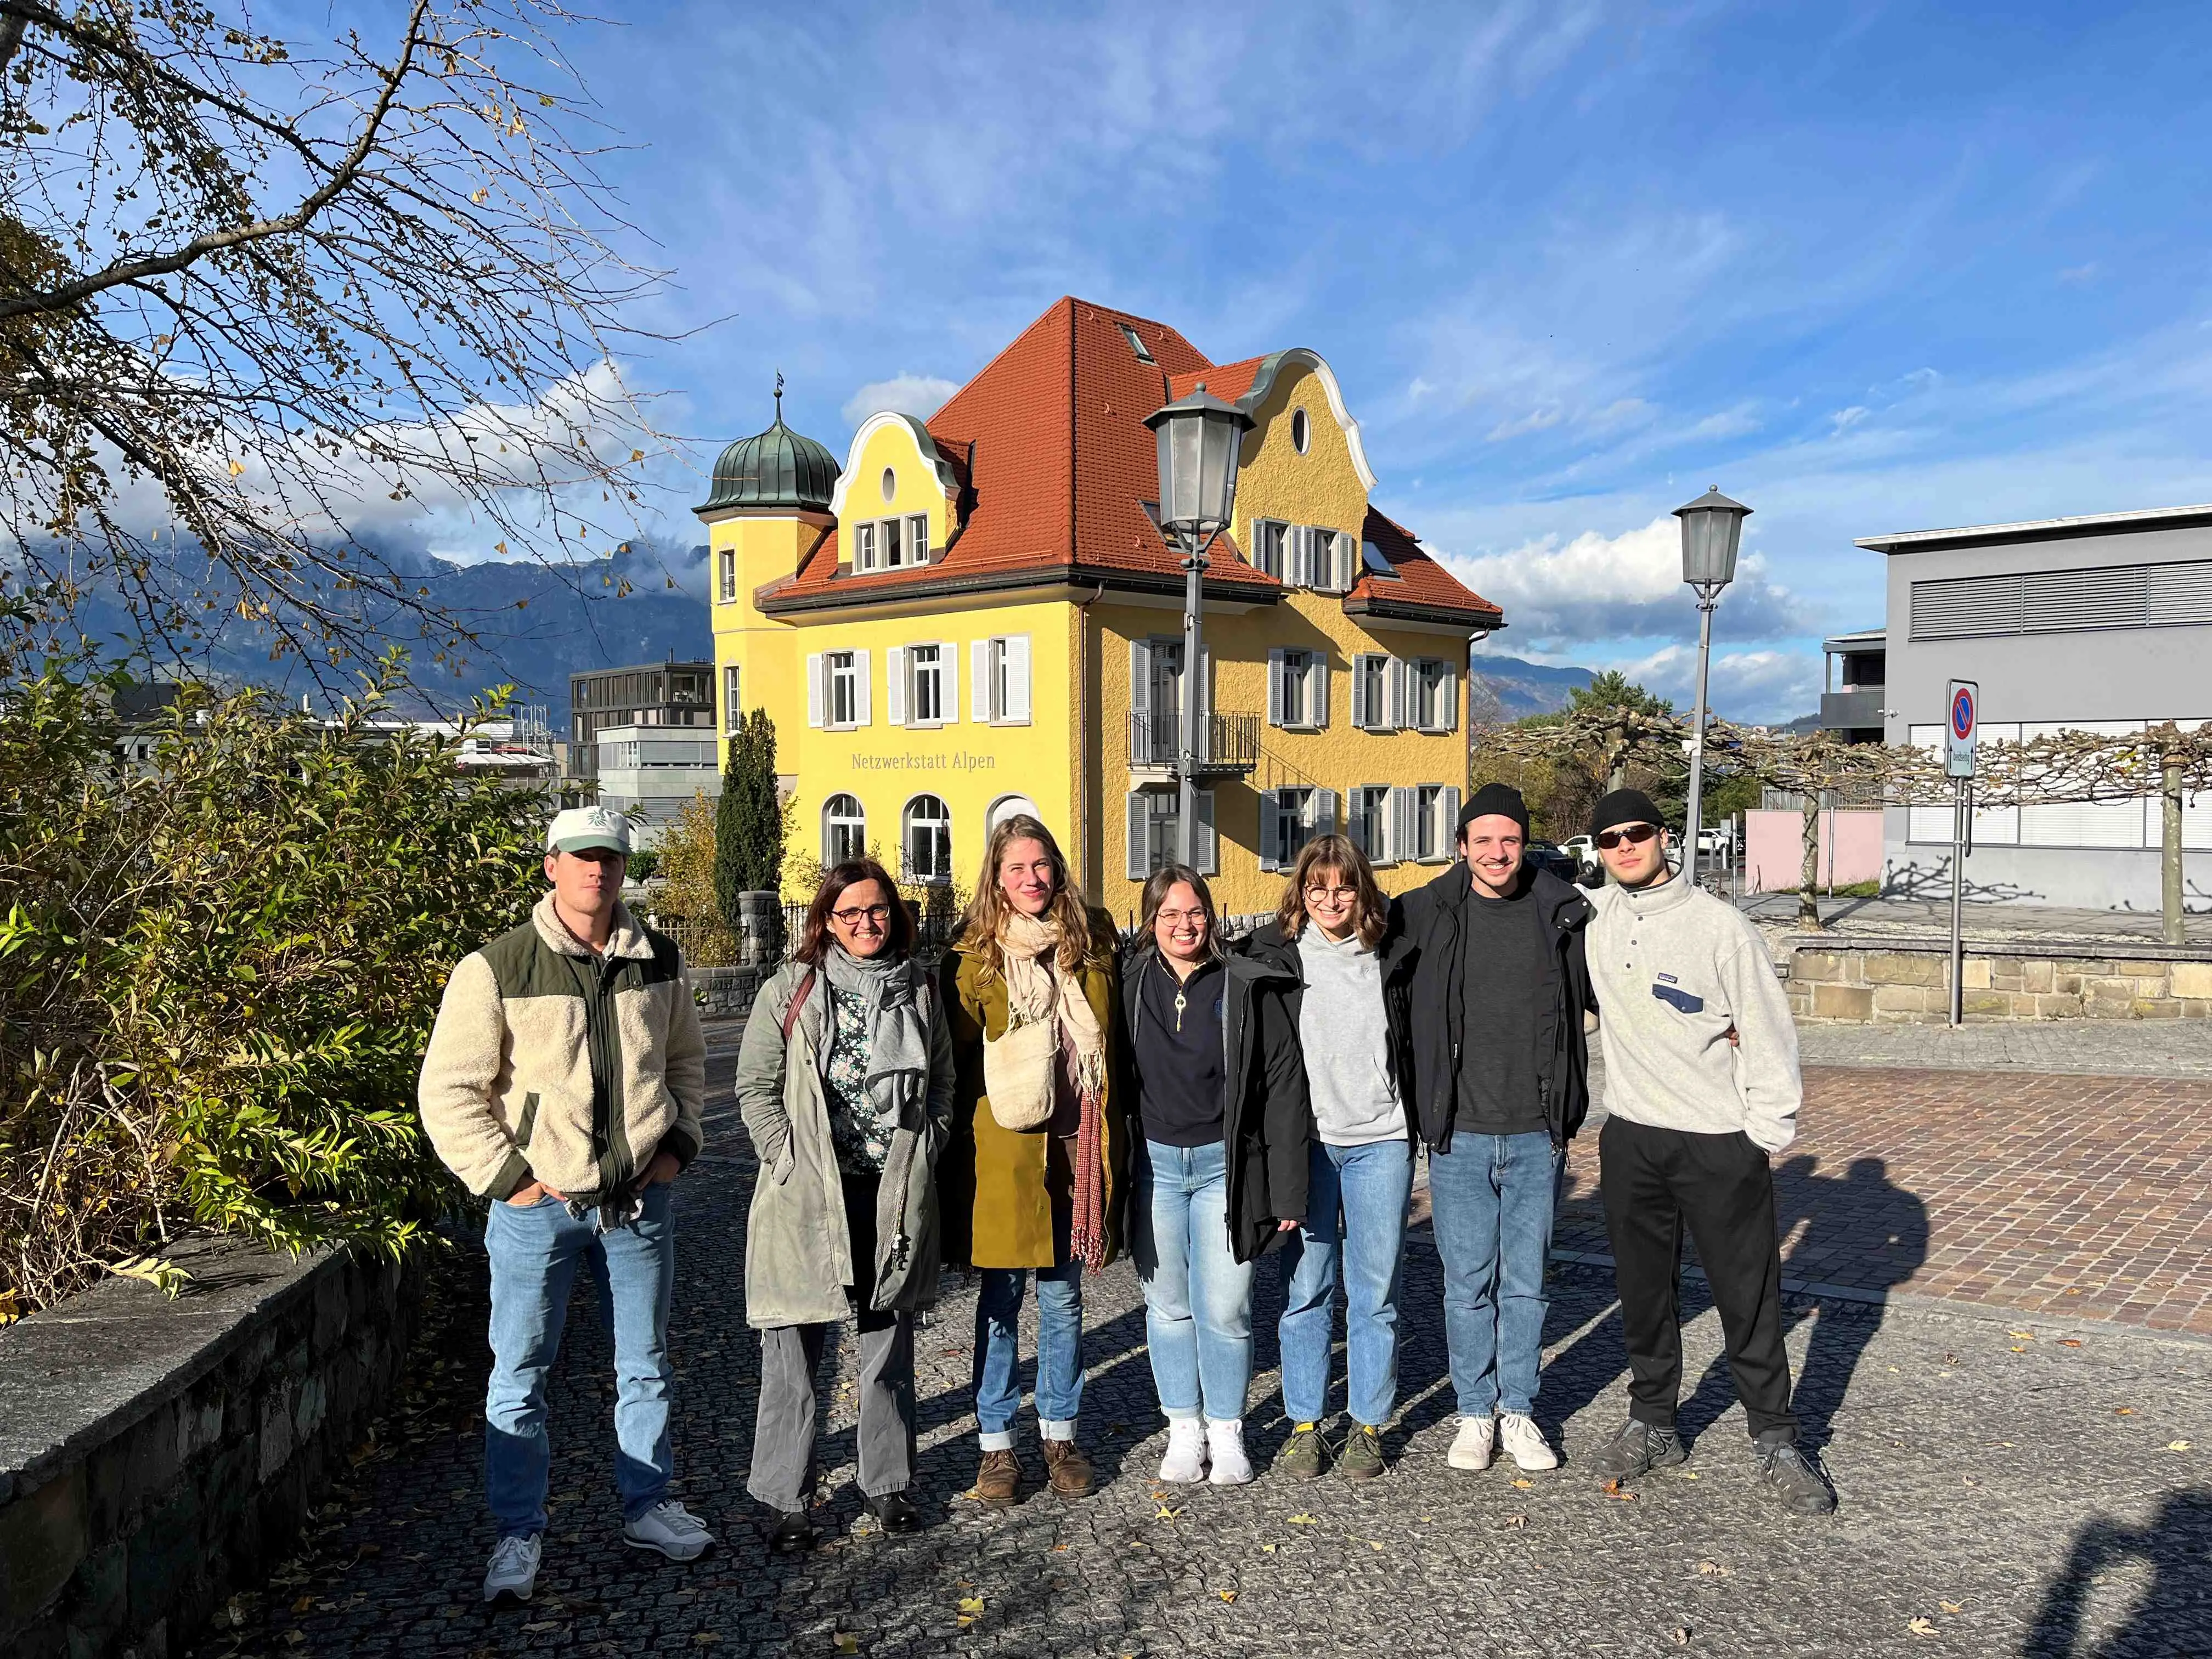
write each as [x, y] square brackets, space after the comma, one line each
[2170, 1617]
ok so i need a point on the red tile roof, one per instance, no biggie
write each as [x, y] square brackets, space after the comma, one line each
[1422, 584]
[1060, 468]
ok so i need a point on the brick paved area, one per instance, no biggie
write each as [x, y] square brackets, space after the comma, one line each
[2013, 1494]
[2087, 1196]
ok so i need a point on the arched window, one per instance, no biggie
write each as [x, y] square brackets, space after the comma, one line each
[928, 840]
[844, 829]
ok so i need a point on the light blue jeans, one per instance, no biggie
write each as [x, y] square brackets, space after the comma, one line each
[535, 1252]
[1198, 1296]
[1492, 1196]
[1355, 1213]
[998, 1352]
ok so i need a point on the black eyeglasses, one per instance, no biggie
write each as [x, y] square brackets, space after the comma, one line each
[1635, 834]
[876, 914]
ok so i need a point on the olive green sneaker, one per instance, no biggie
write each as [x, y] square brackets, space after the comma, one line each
[1362, 1456]
[1306, 1458]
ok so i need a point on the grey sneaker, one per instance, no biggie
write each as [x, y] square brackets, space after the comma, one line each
[513, 1569]
[670, 1529]
[1306, 1458]
[1362, 1456]
[1638, 1446]
[1793, 1476]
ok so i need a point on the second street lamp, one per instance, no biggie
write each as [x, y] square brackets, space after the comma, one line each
[1712, 527]
[1199, 436]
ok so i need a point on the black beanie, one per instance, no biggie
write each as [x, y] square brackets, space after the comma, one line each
[1495, 799]
[1625, 806]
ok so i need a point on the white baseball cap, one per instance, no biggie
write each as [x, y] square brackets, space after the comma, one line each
[581, 828]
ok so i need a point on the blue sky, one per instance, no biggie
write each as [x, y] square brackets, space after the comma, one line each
[1866, 267]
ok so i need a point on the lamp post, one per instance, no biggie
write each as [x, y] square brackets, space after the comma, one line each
[1712, 525]
[1198, 439]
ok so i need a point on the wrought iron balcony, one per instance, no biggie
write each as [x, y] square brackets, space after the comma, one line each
[1229, 746]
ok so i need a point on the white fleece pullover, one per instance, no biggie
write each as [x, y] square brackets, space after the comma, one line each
[1345, 1036]
[1675, 969]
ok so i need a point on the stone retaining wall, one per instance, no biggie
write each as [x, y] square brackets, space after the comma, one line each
[155, 1454]
[1899, 981]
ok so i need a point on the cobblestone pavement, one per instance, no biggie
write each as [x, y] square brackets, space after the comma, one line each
[2104, 1048]
[2012, 1492]
[2089, 1197]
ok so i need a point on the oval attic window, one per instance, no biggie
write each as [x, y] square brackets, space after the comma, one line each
[1301, 431]
[890, 483]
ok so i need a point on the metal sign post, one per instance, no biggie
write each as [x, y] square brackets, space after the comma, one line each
[1961, 727]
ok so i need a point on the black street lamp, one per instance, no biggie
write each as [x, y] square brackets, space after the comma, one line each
[1713, 527]
[1199, 436]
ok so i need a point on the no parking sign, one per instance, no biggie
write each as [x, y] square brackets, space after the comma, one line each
[1961, 725]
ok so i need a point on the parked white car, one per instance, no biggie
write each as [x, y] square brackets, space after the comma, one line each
[1716, 841]
[1585, 854]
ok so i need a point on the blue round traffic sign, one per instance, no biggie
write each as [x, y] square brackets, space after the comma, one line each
[1962, 714]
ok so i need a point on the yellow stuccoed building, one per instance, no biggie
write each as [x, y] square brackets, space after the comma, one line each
[977, 614]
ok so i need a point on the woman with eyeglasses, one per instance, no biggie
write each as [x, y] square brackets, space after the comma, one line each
[1221, 1104]
[1348, 1001]
[1033, 1175]
[845, 1082]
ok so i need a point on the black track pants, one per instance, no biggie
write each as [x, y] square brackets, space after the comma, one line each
[1656, 1179]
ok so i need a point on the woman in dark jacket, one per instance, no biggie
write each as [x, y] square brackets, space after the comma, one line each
[1221, 1175]
[1348, 1000]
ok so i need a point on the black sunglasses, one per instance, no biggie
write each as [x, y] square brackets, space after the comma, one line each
[1635, 834]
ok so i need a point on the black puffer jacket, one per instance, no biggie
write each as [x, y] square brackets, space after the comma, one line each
[1271, 943]
[1429, 916]
[1266, 1121]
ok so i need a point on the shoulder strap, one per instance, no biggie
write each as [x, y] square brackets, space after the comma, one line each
[797, 1002]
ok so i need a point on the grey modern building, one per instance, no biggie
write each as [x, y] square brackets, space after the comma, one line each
[1852, 703]
[2099, 623]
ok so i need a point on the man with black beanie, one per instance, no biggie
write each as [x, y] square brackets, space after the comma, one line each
[1501, 1081]
[1702, 1088]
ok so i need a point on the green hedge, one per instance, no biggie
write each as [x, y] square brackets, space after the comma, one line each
[218, 968]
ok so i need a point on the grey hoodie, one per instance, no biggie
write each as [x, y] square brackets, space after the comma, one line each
[1675, 970]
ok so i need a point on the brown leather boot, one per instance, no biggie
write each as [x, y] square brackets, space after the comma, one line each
[998, 1483]
[1068, 1471]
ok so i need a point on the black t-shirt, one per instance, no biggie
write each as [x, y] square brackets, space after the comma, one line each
[1506, 1014]
[1179, 1054]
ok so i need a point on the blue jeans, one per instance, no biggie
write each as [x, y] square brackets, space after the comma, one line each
[1492, 1196]
[1355, 1210]
[1197, 1296]
[997, 1354]
[535, 1252]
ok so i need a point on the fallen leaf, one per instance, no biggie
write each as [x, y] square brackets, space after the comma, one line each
[971, 1604]
[2176, 1445]
[1615, 1489]
[1229, 1596]
[1681, 1636]
[705, 1638]
[1268, 1548]
[1303, 1521]
[1517, 1520]
[1921, 1626]
[1523, 1484]
[848, 1643]
[1057, 1549]
[2124, 1410]
[1714, 1569]
[1952, 1607]
[2017, 1348]
[542, 1624]
[303, 1604]
[2069, 1341]
[2024, 1336]
[1163, 1513]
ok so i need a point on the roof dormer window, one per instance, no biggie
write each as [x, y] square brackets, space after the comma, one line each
[888, 543]
[1136, 344]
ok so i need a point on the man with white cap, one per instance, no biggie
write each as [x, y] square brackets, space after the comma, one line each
[564, 1081]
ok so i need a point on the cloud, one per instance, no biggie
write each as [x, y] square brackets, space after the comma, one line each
[1766, 687]
[1535, 421]
[2079, 276]
[1843, 420]
[919, 395]
[1624, 587]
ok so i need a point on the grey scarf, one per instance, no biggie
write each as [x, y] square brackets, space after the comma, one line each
[898, 1048]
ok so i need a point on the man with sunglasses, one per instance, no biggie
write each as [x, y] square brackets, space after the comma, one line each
[1702, 1088]
[1501, 1083]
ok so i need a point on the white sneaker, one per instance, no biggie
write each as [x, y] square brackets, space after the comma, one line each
[1475, 1445]
[670, 1529]
[513, 1569]
[1185, 1462]
[1224, 1442]
[1526, 1441]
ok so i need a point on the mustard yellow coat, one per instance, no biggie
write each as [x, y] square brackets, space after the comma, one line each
[1000, 1188]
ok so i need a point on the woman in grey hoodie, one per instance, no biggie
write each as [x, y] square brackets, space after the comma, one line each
[1349, 1006]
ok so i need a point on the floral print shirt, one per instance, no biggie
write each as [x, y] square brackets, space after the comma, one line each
[862, 1140]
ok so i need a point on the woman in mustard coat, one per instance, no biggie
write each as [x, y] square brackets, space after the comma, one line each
[1032, 1179]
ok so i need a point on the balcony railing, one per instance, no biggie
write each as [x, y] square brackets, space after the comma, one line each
[1228, 744]
[1857, 707]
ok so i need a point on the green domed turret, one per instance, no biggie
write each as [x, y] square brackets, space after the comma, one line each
[776, 468]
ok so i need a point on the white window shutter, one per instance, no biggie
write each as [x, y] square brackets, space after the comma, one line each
[1140, 677]
[1450, 825]
[1358, 827]
[979, 682]
[948, 669]
[1449, 693]
[863, 689]
[1324, 811]
[1204, 689]
[1139, 811]
[1017, 680]
[1317, 672]
[1274, 685]
[1271, 831]
[1209, 839]
[1405, 839]
[814, 689]
[1398, 684]
[895, 687]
